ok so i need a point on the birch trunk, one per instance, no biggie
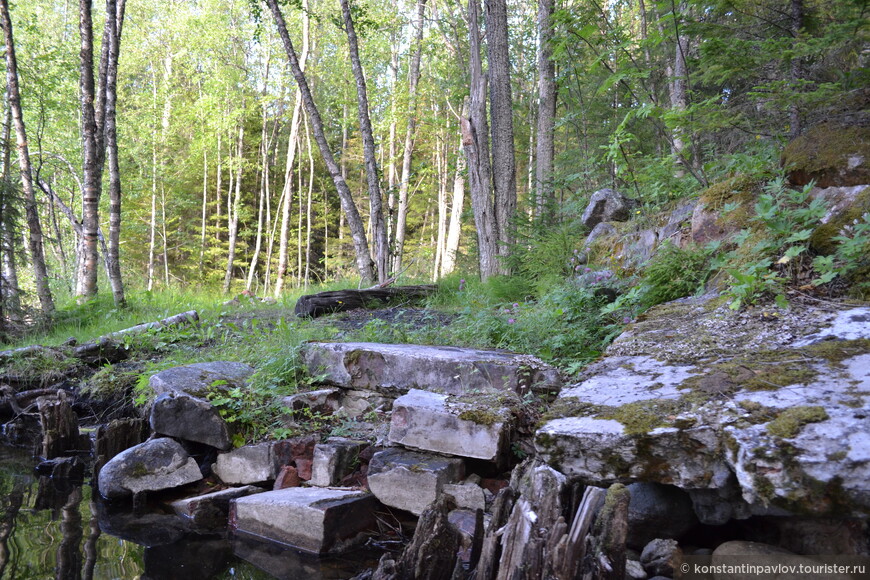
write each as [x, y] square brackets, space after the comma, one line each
[114, 23]
[233, 212]
[454, 228]
[358, 234]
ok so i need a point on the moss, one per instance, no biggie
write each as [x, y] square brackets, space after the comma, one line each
[836, 456]
[139, 470]
[756, 412]
[826, 147]
[790, 422]
[836, 351]
[763, 488]
[481, 416]
[739, 188]
[822, 239]
[112, 381]
[641, 417]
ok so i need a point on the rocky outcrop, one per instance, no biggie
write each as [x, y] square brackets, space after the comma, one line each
[198, 378]
[155, 465]
[831, 155]
[751, 413]
[607, 205]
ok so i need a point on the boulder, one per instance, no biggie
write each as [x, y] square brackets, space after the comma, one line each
[474, 427]
[661, 557]
[334, 460]
[710, 223]
[198, 379]
[658, 511]
[179, 415]
[312, 519]
[155, 465]
[358, 402]
[394, 369]
[210, 510]
[246, 465]
[750, 414]
[829, 154]
[607, 205]
[411, 481]
[467, 496]
[324, 401]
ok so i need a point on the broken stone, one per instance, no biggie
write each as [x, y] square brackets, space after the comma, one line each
[324, 401]
[287, 477]
[179, 415]
[466, 495]
[358, 402]
[393, 369]
[246, 465]
[198, 379]
[334, 460]
[151, 466]
[411, 481]
[313, 519]
[210, 510]
[607, 205]
[434, 422]
[661, 557]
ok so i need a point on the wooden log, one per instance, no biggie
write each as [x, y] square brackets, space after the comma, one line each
[314, 305]
[60, 426]
[574, 549]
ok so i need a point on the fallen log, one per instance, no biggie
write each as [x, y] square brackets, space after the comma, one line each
[314, 305]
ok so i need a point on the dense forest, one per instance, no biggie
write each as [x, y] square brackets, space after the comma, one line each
[262, 146]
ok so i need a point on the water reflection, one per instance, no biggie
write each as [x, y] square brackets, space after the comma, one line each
[55, 528]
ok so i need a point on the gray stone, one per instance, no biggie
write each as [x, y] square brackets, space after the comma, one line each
[246, 465]
[658, 511]
[358, 402]
[393, 369]
[741, 552]
[324, 401]
[661, 557]
[662, 407]
[335, 459]
[411, 481]
[155, 465]
[433, 422]
[198, 378]
[607, 205]
[210, 510]
[467, 496]
[634, 570]
[179, 415]
[313, 519]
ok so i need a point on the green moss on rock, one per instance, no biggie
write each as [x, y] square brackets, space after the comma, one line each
[827, 154]
[790, 422]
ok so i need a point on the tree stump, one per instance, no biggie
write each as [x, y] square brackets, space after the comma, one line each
[60, 426]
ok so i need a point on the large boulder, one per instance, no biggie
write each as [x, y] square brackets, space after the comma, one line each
[607, 205]
[394, 369]
[198, 379]
[749, 414]
[830, 154]
[155, 465]
[179, 415]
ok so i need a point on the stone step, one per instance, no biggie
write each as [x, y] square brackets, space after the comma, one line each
[394, 369]
[409, 480]
[317, 520]
[211, 510]
[475, 427]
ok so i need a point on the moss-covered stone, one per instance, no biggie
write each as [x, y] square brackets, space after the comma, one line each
[845, 212]
[641, 417]
[829, 154]
[790, 422]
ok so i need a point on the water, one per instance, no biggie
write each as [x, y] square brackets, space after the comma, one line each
[57, 529]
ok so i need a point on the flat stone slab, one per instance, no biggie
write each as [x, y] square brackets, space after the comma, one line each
[396, 368]
[151, 466]
[409, 480]
[774, 420]
[245, 465]
[211, 510]
[334, 460]
[435, 422]
[312, 519]
[196, 379]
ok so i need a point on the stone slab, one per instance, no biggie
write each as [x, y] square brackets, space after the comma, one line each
[409, 480]
[312, 519]
[211, 510]
[435, 422]
[396, 368]
[246, 465]
[197, 378]
[334, 460]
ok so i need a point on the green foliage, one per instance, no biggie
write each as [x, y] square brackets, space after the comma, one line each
[547, 255]
[673, 273]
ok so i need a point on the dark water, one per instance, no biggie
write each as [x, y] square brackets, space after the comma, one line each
[57, 529]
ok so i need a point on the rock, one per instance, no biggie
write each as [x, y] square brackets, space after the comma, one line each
[246, 465]
[334, 460]
[312, 519]
[634, 570]
[829, 154]
[709, 223]
[739, 552]
[394, 369]
[845, 205]
[198, 378]
[750, 414]
[210, 510]
[661, 557]
[287, 477]
[411, 481]
[658, 511]
[298, 451]
[607, 205]
[358, 402]
[324, 401]
[433, 422]
[179, 415]
[111, 439]
[155, 465]
[467, 496]
[807, 535]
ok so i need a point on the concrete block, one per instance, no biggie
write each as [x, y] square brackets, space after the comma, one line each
[245, 465]
[334, 460]
[411, 481]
